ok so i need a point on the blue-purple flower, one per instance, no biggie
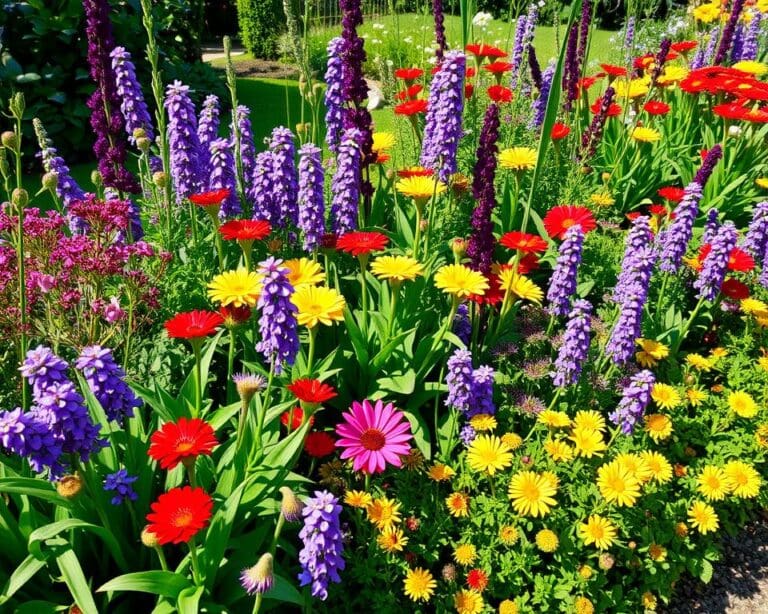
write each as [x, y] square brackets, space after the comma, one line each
[261, 192]
[345, 187]
[321, 557]
[120, 483]
[277, 325]
[634, 399]
[573, 352]
[311, 201]
[334, 98]
[106, 379]
[132, 104]
[459, 380]
[222, 176]
[285, 180]
[715, 265]
[184, 144]
[562, 284]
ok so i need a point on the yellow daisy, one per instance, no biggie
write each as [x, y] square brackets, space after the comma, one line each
[707, 13]
[617, 484]
[508, 607]
[742, 404]
[554, 419]
[665, 396]
[520, 286]
[558, 450]
[420, 188]
[658, 465]
[602, 199]
[713, 483]
[672, 74]
[636, 466]
[743, 480]
[751, 67]
[303, 271]
[547, 540]
[465, 554]
[509, 535]
[589, 419]
[532, 494]
[357, 498]
[419, 585]
[236, 288]
[643, 134]
[761, 435]
[483, 422]
[695, 396]
[587, 442]
[598, 531]
[699, 362]
[702, 517]
[397, 269]
[318, 305]
[468, 602]
[487, 453]
[460, 281]
[518, 158]
[658, 426]
[762, 362]
[657, 552]
[512, 440]
[651, 351]
[392, 539]
[440, 472]
[382, 141]
[458, 504]
[631, 88]
[754, 307]
[383, 512]
[649, 601]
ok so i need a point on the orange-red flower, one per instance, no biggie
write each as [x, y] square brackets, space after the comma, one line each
[613, 70]
[182, 441]
[644, 61]
[311, 390]
[559, 219]
[294, 417]
[235, 315]
[477, 579]
[408, 74]
[734, 289]
[412, 107]
[671, 193]
[207, 199]
[481, 51]
[525, 242]
[714, 79]
[738, 260]
[193, 324]
[178, 515]
[245, 230]
[656, 107]
[319, 444]
[684, 46]
[360, 243]
[469, 89]
[410, 93]
[586, 82]
[613, 109]
[493, 295]
[499, 93]
[559, 131]
[498, 68]
[415, 171]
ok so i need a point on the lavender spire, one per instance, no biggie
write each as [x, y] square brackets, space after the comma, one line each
[562, 284]
[629, 37]
[345, 187]
[540, 103]
[533, 64]
[67, 188]
[29, 435]
[442, 45]
[183, 141]
[591, 137]
[482, 392]
[462, 327]
[756, 238]
[277, 325]
[132, 105]
[42, 369]
[571, 69]
[738, 42]
[207, 129]
[727, 39]
[334, 97]
[750, 46]
[660, 60]
[716, 263]
[586, 21]
[247, 146]
[712, 225]
[106, 379]
[573, 352]
[634, 399]
[223, 176]
[517, 48]
[638, 238]
[705, 55]
[262, 192]
[285, 178]
[311, 203]
[708, 166]
[321, 557]
[120, 483]
[459, 380]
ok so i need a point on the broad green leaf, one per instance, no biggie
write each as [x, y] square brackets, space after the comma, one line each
[188, 388]
[51, 530]
[21, 575]
[75, 580]
[217, 539]
[189, 600]
[284, 591]
[33, 488]
[164, 583]
[399, 384]
[420, 430]
[37, 607]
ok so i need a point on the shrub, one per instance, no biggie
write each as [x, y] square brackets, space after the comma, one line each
[261, 22]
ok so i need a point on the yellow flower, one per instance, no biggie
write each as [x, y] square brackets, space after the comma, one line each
[617, 484]
[602, 199]
[520, 286]
[658, 465]
[512, 440]
[651, 352]
[699, 362]
[742, 404]
[465, 554]
[392, 539]
[382, 141]
[718, 353]
[589, 419]
[236, 288]
[743, 480]
[420, 188]
[658, 426]
[598, 531]
[762, 182]
[318, 305]
[508, 607]
[649, 601]
[702, 517]
[532, 494]
[460, 281]
[713, 483]
[587, 442]
[707, 13]
[518, 158]
[631, 88]
[582, 605]
[657, 552]
[458, 504]
[554, 419]
[488, 454]
[751, 67]
[754, 307]
[357, 498]
[558, 450]
[762, 362]
[695, 396]
[397, 269]
[643, 134]
[440, 472]
[509, 535]
[761, 435]
[672, 74]
[585, 572]
[468, 602]
[483, 422]
[681, 529]
[666, 396]
[384, 512]
[419, 585]
[547, 541]
[303, 271]
[635, 465]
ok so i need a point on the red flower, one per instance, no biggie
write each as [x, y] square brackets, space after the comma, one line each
[750, 90]
[614, 71]
[193, 324]
[633, 215]
[470, 72]
[714, 79]
[411, 107]
[525, 242]
[235, 315]
[527, 263]
[739, 260]
[656, 107]
[319, 444]
[730, 110]
[684, 46]
[296, 417]
[328, 240]
[360, 243]
[485, 51]
[408, 74]
[586, 82]
[559, 219]
[178, 515]
[644, 61]
[245, 230]
[207, 199]
[559, 131]
[671, 193]
[477, 579]
[498, 68]
[613, 110]
[409, 93]
[493, 295]
[469, 89]
[499, 93]
[311, 390]
[415, 171]
[659, 210]
[734, 289]
[181, 441]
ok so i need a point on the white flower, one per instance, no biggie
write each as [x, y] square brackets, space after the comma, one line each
[408, 40]
[432, 59]
[390, 63]
[734, 131]
[378, 26]
[482, 20]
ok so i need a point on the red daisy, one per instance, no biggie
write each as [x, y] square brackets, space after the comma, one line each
[408, 74]
[477, 579]
[412, 107]
[684, 46]
[614, 71]
[499, 93]
[312, 390]
[734, 289]
[525, 242]
[644, 61]
[415, 171]
[560, 131]
[361, 243]
[494, 295]
[633, 216]
[235, 315]
[410, 93]
[295, 416]
[481, 51]
[739, 260]
[656, 107]
[207, 199]
[671, 193]
[245, 230]
[182, 441]
[319, 444]
[528, 263]
[750, 90]
[730, 110]
[613, 109]
[559, 219]
[659, 210]
[193, 324]
[498, 68]
[713, 79]
[586, 82]
[178, 515]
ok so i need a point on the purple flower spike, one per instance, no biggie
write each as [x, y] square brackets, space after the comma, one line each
[208, 128]
[638, 238]
[756, 238]
[42, 369]
[749, 48]
[539, 105]
[345, 187]
[442, 45]
[285, 178]
[277, 325]
[462, 327]
[106, 379]
[247, 146]
[334, 96]
[573, 352]
[186, 171]
[715, 264]
[262, 193]
[728, 31]
[482, 392]
[223, 176]
[311, 202]
[132, 105]
[459, 380]
[711, 226]
[120, 483]
[321, 557]
[634, 400]
[562, 284]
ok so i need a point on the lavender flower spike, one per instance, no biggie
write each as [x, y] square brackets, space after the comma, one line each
[42, 369]
[482, 392]
[728, 31]
[311, 203]
[459, 380]
[247, 145]
[345, 187]
[716, 263]
[277, 325]
[562, 284]
[321, 557]
[461, 325]
[756, 238]
[186, 171]
[573, 352]
[262, 193]
[120, 482]
[67, 188]
[208, 128]
[132, 103]
[334, 99]
[442, 45]
[634, 400]
[749, 48]
[712, 225]
[285, 177]
[106, 379]
[639, 237]
[223, 176]
[539, 105]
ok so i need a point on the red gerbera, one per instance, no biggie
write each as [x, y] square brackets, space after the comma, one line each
[684, 46]
[235, 315]
[633, 215]
[525, 242]
[470, 72]
[493, 295]
[586, 82]
[409, 93]
[671, 193]
[477, 579]
[311, 390]
[713, 79]
[415, 171]
[408, 74]
[360, 243]
[411, 107]
[644, 61]
[499, 93]
[613, 70]
[734, 289]
[656, 107]
[295, 416]
[730, 110]
[739, 260]
[560, 131]
[559, 219]
[206, 199]
[319, 444]
[193, 324]
[179, 514]
[498, 68]
[182, 441]
[613, 110]
[485, 51]
[659, 210]
[528, 263]
[245, 230]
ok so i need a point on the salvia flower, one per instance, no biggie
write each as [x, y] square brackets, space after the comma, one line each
[562, 284]
[222, 177]
[517, 48]
[442, 45]
[261, 192]
[634, 399]
[285, 179]
[132, 103]
[482, 392]
[259, 578]
[321, 557]
[29, 435]
[186, 171]
[711, 226]
[459, 380]
[539, 105]
[639, 237]
[311, 202]
[715, 265]
[629, 37]
[573, 352]
[120, 482]
[591, 137]
[334, 99]
[571, 71]
[756, 238]
[247, 145]
[584, 23]
[67, 188]
[277, 325]
[726, 39]
[462, 327]
[674, 241]
[106, 379]
[345, 187]
[749, 47]
[208, 128]
[42, 369]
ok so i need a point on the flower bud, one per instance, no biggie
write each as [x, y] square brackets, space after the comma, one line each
[632, 544]
[681, 529]
[74, 609]
[689, 451]
[290, 507]
[69, 486]
[160, 179]
[526, 460]
[606, 561]
[9, 140]
[50, 181]
[5, 168]
[449, 572]
[247, 386]
[96, 179]
[424, 225]
[139, 133]
[274, 245]
[605, 177]
[390, 174]
[20, 198]
[458, 246]
[149, 539]
[585, 572]
[259, 578]
[412, 523]
[143, 144]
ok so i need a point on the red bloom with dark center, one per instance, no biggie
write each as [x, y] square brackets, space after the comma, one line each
[613, 70]
[613, 110]
[207, 199]
[235, 315]
[499, 93]
[328, 240]
[684, 46]
[408, 74]
[671, 193]
[415, 171]
[730, 110]
[656, 107]
[559, 131]
[559, 219]
[714, 79]
[319, 444]
[477, 579]
[494, 295]
[181, 441]
[410, 93]
[527, 243]
[481, 51]
[412, 107]
[295, 416]
[738, 259]
[498, 68]
[311, 390]
[245, 230]
[361, 243]
[178, 515]
[193, 324]
[734, 289]
[756, 115]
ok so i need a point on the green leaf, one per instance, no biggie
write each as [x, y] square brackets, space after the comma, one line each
[188, 389]
[106, 454]
[21, 575]
[217, 538]
[399, 384]
[33, 488]
[706, 571]
[37, 607]
[420, 430]
[189, 600]
[356, 337]
[283, 590]
[75, 580]
[163, 583]
[52, 530]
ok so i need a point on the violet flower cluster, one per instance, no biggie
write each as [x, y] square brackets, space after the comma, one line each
[674, 240]
[629, 37]
[321, 557]
[704, 55]
[470, 391]
[442, 45]
[120, 483]
[591, 137]
[132, 104]
[184, 144]
[727, 38]
[208, 128]
[247, 144]
[562, 284]
[584, 23]
[715, 265]
[334, 95]
[660, 60]
[639, 237]
[517, 48]
[461, 326]
[749, 47]
[277, 325]
[535, 68]
[571, 71]
[345, 187]
[634, 399]
[756, 239]
[539, 105]
[482, 391]
[106, 379]
[738, 42]
[261, 192]
[711, 226]
[573, 352]
[285, 180]
[311, 201]
[223, 176]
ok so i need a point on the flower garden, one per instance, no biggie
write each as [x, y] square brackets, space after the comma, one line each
[508, 353]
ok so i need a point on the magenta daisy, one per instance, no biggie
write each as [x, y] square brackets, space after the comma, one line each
[374, 435]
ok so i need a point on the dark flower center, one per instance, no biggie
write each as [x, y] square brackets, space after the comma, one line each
[372, 439]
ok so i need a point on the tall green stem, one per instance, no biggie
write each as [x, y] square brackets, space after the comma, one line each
[311, 357]
[198, 378]
[363, 258]
[195, 562]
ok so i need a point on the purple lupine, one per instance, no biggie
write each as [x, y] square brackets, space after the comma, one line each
[629, 37]
[222, 176]
[659, 60]
[573, 352]
[459, 380]
[467, 435]
[184, 144]
[132, 104]
[42, 369]
[517, 49]
[708, 165]
[711, 226]
[262, 193]
[482, 392]
[311, 201]
[120, 483]
[334, 95]
[67, 189]
[584, 23]
[285, 179]
[705, 54]
[443, 130]
[639, 237]
[571, 74]
[562, 284]
[591, 137]
[756, 238]
[737, 47]
[207, 130]
[104, 103]
[674, 240]
[106, 379]
[749, 47]
[321, 557]
[442, 45]
[715, 265]
[539, 105]
[345, 187]
[27, 435]
[247, 144]
[728, 31]
[277, 325]
[634, 399]
[535, 68]
[461, 326]
[481, 242]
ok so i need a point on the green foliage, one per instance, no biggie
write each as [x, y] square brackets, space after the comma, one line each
[261, 22]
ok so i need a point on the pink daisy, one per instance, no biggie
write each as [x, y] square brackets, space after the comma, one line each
[373, 436]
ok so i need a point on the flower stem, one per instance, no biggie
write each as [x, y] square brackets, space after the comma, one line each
[198, 379]
[161, 558]
[393, 307]
[364, 297]
[195, 562]
[311, 357]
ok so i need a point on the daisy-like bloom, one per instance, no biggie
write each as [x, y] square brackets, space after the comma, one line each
[582, 605]
[657, 552]
[408, 74]
[635, 465]
[392, 539]
[518, 158]
[554, 419]
[236, 288]
[754, 307]
[713, 483]
[558, 450]
[358, 498]
[649, 601]
[703, 517]
[420, 187]
[465, 554]
[487, 453]
[411, 107]
[761, 435]
[617, 485]
[483, 422]
[547, 540]
[181, 442]
[762, 182]
[415, 171]
[742, 404]
[361, 243]
[460, 281]
[383, 512]
[468, 602]
[457, 504]
[482, 50]
[210, 201]
[658, 426]
[259, 578]
[440, 472]
[193, 324]
[303, 272]
[397, 269]
[532, 494]
[665, 396]
[178, 515]
[559, 219]
[632, 88]
[656, 107]
[589, 419]
[651, 351]
[588, 442]
[695, 396]
[508, 535]
[752, 67]
[699, 362]
[643, 134]
[477, 579]
[659, 467]
[245, 230]
[520, 286]
[602, 199]
[374, 435]
[743, 480]
[508, 607]
[512, 440]
[318, 305]
[717, 353]
[526, 243]
[382, 141]
[312, 391]
[419, 585]
[598, 531]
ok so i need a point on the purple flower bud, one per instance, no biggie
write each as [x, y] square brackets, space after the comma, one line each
[120, 482]
[715, 265]
[345, 187]
[277, 325]
[562, 284]
[756, 238]
[311, 203]
[334, 98]
[634, 399]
